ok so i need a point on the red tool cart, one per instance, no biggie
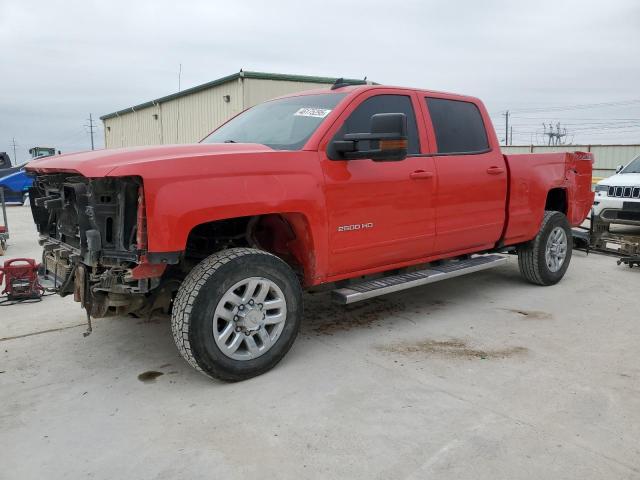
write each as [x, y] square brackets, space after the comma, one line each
[20, 277]
[4, 227]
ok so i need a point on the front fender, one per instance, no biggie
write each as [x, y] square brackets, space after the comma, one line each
[223, 188]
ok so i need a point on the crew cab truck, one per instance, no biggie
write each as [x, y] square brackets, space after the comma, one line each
[367, 188]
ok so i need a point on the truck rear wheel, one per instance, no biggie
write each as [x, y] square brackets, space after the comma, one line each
[545, 259]
[237, 314]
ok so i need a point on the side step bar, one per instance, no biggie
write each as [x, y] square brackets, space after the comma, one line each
[395, 283]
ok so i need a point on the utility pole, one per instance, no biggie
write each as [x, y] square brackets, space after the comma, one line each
[506, 127]
[15, 159]
[511, 135]
[91, 126]
[178, 106]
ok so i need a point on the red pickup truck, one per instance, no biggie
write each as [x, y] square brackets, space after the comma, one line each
[369, 188]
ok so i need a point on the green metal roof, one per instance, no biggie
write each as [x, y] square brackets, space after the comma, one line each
[229, 78]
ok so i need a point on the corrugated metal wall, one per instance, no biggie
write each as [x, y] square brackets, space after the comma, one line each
[607, 157]
[189, 118]
[180, 120]
[258, 90]
[136, 128]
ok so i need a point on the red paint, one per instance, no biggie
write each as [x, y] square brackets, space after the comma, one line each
[148, 270]
[420, 209]
[530, 179]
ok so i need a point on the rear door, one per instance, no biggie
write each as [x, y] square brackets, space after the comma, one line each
[381, 213]
[472, 176]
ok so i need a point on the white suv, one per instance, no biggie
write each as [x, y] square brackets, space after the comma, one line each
[617, 198]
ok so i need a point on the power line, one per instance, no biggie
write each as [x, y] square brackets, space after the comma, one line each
[585, 129]
[528, 124]
[581, 106]
[625, 119]
[578, 106]
[516, 120]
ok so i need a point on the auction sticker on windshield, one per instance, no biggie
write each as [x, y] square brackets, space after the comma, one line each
[312, 112]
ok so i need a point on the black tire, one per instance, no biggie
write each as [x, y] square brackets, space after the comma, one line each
[531, 255]
[199, 294]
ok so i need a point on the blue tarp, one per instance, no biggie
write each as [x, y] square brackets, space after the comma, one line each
[16, 185]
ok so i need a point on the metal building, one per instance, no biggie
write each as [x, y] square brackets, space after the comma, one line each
[189, 115]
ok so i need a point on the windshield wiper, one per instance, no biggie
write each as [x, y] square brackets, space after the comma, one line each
[230, 141]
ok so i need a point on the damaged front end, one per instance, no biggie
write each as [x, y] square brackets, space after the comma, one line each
[93, 233]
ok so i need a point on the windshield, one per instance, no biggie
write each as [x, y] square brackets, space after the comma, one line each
[284, 124]
[633, 167]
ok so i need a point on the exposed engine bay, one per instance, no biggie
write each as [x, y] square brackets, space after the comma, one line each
[93, 235]
[94, 238]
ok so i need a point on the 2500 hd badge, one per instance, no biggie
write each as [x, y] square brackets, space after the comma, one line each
[357, 226]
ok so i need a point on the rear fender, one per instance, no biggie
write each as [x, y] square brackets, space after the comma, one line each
[532, 177]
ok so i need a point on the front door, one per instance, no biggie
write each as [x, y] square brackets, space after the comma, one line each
[382, 213]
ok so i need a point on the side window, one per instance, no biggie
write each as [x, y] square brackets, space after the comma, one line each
[360, 119]
[458, 126]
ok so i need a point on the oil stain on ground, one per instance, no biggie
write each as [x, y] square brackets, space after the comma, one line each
[453, 348]
[149, 376]
[322, 317]
[531, 314]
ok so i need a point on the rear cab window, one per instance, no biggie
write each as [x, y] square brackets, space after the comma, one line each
[458, 126]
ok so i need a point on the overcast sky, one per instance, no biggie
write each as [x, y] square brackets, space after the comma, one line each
[62, 60]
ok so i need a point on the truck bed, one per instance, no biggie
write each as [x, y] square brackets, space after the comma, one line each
[531, 175]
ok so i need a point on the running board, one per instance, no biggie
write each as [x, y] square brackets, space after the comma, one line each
[395, 283]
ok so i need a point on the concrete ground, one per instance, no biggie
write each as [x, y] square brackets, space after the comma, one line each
[480, 377]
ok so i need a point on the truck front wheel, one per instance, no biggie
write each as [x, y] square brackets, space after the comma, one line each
[237, 313]
[545, 259]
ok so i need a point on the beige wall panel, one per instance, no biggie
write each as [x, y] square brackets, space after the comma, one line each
[256, 90]
[181, 120]
[188, 119]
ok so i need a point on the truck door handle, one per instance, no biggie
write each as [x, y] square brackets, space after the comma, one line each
[418, 174]
[495, 170]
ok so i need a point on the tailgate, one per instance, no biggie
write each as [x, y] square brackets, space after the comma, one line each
[579, 174]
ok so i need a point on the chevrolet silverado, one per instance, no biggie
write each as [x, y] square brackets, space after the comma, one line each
[368, 189]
